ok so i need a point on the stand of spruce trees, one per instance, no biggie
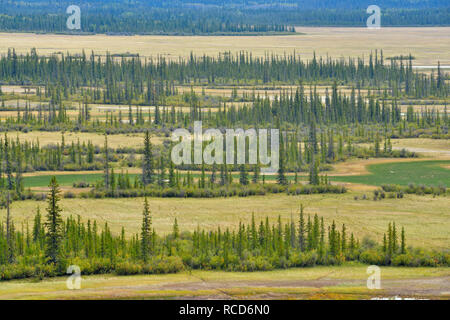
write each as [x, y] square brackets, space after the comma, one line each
[46, 246]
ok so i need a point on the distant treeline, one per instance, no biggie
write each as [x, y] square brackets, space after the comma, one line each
[28, 6]
[211, 17]
[161, 22]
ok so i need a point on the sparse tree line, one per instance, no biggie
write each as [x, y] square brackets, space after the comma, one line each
[51, 243]
[316, 132]
[155, 180]
[129, 77]
[160, 177]
[18, 157]
[356, 115]
[219, 179]
[414, 189]
[136, 82]
[391, 191]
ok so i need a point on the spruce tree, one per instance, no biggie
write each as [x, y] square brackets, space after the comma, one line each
[243, 175]
[394, 238]
[162, 173]
[281, 178]
[146, 232]
[176, 230]
[301, 231]
[8, 165]
[314, 172]
[53, 223]
[172, 177]
[255, 177]
[10, 233]
[106, 166]
[212, 179]
[403, 242]
[147, 163]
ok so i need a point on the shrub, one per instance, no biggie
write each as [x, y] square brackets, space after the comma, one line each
[372, 257]
[69, 195]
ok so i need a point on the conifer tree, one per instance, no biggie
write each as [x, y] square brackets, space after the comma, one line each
[53, 223]
[377, 145]
[162, 173]
[147, 163]
[10, 232]
[10, 183]
[176, 230]
[255, 177]
[18, 178]
[212, 179]
[146, 232]
[281, 178]
[394, 239]
[202, 181]
[37, 227]
[403, 242]
[314, 172]
[343, 240]
[301, 231]
[106, 167]
[172, 177]
[243, 175]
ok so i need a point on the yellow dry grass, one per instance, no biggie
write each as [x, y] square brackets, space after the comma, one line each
[428, 45]
[426, 219]
[434, 148]
[358, 167]
[418, 107]
[336, 282]
[114, 141]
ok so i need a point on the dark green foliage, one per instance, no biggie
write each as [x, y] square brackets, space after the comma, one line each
[146, 232]
[258, 245]
[209, 17]
[148, 162]
[53, 224]
[243, 175]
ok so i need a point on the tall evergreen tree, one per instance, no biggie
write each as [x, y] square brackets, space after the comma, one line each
[243, 175]
[147, 163]
[10, 241]
[106, 166]
[281, 178]
[301, 231]
[53, 223]
[146, 232]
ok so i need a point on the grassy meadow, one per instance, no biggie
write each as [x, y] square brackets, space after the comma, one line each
[429, 173]
[342, 282]
[97, 139]
[426, 219]
[429, 45]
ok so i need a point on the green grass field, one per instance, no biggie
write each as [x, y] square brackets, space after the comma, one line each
[69, 179]
[429, 173]
[63, 179]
